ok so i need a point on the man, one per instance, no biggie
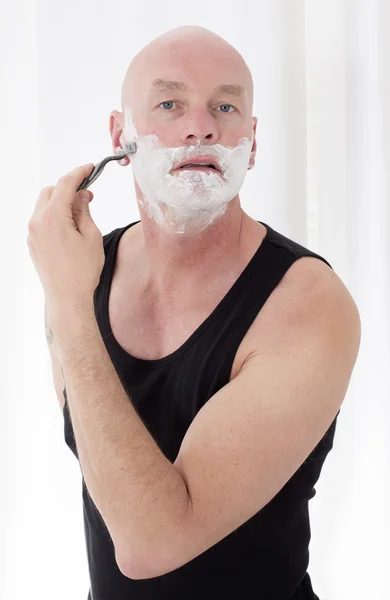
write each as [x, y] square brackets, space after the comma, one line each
[203, 411]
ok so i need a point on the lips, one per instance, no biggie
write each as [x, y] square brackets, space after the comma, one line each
[199, 160]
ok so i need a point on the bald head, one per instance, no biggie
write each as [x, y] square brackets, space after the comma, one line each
[193, 50]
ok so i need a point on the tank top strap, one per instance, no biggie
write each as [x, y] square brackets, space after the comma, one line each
[269, 265]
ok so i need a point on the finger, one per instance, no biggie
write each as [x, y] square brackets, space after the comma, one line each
[81, 214]
[66, 188]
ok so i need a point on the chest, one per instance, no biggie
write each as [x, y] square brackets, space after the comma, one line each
[151, 333]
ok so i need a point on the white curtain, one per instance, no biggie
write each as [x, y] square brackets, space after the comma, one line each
[322, 96]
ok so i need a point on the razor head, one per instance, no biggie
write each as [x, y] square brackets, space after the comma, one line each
[130, 148]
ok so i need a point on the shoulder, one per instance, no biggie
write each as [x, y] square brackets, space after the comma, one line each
[310, 282]
[307, 271]
[310, 299]
[312, 288]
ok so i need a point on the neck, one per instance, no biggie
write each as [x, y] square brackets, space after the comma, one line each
[173, 261]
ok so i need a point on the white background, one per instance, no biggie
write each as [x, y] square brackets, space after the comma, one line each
[322, 96]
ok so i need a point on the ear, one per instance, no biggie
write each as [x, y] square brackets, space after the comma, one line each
[116, 129]
[254, 145]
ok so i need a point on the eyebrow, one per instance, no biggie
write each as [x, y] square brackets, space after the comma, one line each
[166, 85]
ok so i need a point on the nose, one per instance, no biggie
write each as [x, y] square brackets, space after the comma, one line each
[200, 126]
[198, 139]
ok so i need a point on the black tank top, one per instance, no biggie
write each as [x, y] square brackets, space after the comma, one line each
[267, 557]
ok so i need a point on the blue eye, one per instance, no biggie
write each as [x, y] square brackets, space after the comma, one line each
[167, 102]
[226, 105]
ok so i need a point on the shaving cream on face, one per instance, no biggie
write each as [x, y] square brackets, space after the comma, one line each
[185, 201]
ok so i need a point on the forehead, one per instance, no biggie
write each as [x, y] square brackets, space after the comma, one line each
[168, 85]
[190, 68]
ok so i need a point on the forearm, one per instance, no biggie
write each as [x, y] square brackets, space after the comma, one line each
[139, 493]
[60, 384]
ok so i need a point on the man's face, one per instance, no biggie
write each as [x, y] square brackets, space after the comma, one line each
[189, 104]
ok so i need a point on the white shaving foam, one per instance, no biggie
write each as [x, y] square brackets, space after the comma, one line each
[185, 201]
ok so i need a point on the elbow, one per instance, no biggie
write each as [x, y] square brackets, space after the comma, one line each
[169, 546]
[170, 553]
[140, 569]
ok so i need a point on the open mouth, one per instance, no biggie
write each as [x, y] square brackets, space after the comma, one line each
[198, 167]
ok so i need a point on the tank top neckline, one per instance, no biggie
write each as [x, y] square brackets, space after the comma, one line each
[221, 306]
